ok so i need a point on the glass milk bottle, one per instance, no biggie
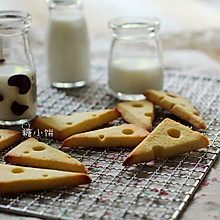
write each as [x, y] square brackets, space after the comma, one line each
[135, 61]
[18, 102]
[67, 44]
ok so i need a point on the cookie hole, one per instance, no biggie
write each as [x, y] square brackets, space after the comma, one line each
[45, 175]
[196, 113]
[26, 152]
[137, 105]
[94, 115]
[17, 170]
[171, 95]
[148, 114]
[101, 136]
[1, 97]
[174, 133]
[69, 123]
[172, 106]
[127, 131]
[38, 148]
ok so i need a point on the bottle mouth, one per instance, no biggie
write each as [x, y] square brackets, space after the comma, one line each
[63, 3]
[13, 22]
[134, 25]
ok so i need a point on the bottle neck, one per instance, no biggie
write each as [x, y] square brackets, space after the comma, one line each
[134, 35]
[14, 43]
[65, 9]
[14, 23]
[134, 28]
[64, 3]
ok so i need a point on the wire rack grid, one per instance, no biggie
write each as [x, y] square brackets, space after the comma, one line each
[160, 189]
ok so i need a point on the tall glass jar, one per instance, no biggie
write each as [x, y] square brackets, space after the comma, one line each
[17, 70]
[67, 44]
[135, 60]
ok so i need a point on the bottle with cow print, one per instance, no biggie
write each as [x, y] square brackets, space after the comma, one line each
[18, 101]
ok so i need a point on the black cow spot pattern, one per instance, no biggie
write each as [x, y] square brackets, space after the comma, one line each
[1, 98]
[2, 60]
[21, 81]
[18, 109]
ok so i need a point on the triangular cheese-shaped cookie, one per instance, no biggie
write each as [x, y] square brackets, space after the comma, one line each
[177, 105]
[15, 179]
[8, 137]
[38, 154]
[140, 113]
[168, 139]
[128, 135]
[64, 126]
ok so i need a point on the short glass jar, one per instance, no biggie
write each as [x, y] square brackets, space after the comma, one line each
[67, 44]
[18, 102]
[135, 60]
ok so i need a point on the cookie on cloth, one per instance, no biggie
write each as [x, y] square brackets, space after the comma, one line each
[169, 138]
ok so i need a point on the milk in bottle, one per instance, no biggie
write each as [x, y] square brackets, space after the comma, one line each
[67, 45]
[18, 98]
[135, 59]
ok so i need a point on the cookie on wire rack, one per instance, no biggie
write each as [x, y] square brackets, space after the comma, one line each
[9, 137]
[169, 138]
[140, 113]
[38, 154]
[177, 105]
[128, 135]
[64, 126]
[15, 179]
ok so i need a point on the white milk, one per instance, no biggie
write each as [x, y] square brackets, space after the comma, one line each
[134, 75]
[68, 55]
[11, 94]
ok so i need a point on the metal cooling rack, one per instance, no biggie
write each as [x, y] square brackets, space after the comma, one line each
[160, 189]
